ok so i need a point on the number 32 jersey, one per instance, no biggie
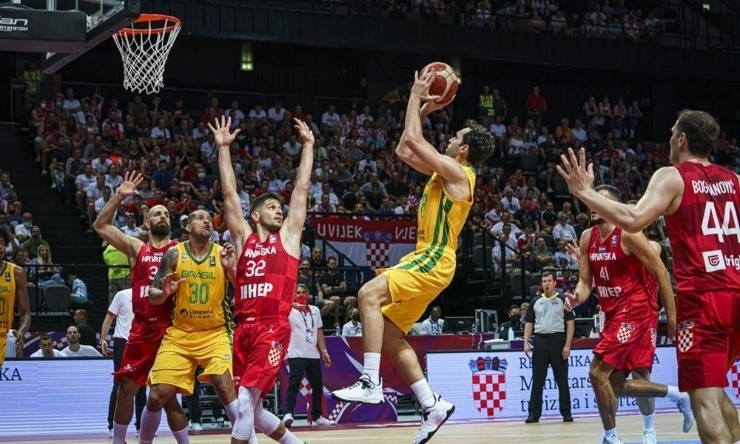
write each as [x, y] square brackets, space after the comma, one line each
[266, 277]
[704, 231]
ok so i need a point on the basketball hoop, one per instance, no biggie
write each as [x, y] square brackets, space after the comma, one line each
[144, 47]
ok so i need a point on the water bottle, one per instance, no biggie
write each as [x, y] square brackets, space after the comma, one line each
[511, 334]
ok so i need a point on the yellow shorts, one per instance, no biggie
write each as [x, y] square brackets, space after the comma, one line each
[181, 352]
[3, 346]
[413, 284]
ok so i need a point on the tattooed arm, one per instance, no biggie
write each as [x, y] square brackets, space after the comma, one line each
[165, 282]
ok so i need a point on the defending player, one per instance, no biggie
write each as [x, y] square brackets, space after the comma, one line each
[265, 282]
[394, 300]
[625, 270]
[150, 321]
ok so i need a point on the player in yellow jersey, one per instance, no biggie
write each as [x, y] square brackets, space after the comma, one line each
[12, 288]
[395, 299]
[193, 274]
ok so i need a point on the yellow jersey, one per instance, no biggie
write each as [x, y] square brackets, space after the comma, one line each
[440, 220]
[200, 303]
[7, 297]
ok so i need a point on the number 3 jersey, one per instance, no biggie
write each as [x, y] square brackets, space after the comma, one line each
[704, 231]
[266, 277]
[200, 300]
[150, 321]
[621, 282]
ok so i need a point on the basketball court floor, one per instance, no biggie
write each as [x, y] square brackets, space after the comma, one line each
[582, 430]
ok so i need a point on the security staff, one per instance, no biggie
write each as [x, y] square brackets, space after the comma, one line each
[553, 331]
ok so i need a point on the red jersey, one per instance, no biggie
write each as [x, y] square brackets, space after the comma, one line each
[621, 281]
[266, 277]
[150, 321]
[704, 231]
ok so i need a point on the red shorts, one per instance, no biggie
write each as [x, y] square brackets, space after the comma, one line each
[627, 344]
[139, 355]
[707, 338]
[259, 349]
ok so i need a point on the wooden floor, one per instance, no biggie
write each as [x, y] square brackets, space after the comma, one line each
[583, 430]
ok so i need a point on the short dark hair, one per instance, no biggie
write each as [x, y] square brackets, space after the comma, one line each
[480, 142]
[701, 129]
[5, 234]
[612, 190]
[260, 201]
[548, 273]
[44, 337]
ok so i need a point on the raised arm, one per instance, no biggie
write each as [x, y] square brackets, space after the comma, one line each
[402, 149]
[165, 282]
[21, 297]
[585, 277]
[235, 222]
[662, 196]
[293, 225]
[103, 224]
[638, 245]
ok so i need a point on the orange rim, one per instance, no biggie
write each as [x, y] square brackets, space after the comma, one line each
[173, 23]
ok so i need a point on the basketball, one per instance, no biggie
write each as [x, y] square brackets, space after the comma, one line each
[445, 83]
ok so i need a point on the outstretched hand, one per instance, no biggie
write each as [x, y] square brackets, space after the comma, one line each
[577, 175]
[131, 181]
[170, 283]
[228, 256]
[422, 81]
[220, 130]
[304, 131]
[574, 251]
[572, 301]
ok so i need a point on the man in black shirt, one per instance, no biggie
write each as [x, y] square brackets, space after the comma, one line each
[87, 334]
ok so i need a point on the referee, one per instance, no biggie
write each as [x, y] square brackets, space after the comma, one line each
[553, 330]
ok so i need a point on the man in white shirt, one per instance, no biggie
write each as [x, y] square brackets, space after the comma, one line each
[75, 349]
[306, 351]
[121, 310]
[46, 349]
[354, 326]
[434, 323]
[563, 230]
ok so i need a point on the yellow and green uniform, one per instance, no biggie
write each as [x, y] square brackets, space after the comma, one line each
[199, 332]
[7, 304]
[421, 275]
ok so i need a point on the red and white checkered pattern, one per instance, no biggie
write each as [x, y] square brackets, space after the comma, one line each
[735, 378]
[489, 392]
[305, 388]
[624, 333]
[654, 337]
[377, 254]
[685, 339]
[273, 357]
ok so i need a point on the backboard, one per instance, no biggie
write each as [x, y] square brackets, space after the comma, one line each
[62, 29]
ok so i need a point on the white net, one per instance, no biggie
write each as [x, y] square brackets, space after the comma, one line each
[144, 47]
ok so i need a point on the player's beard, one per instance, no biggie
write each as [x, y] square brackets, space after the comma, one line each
[161, 229]
[597, 220]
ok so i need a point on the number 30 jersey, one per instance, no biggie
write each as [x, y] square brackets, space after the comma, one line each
[266, 277]
[150, 321]
[704, 231]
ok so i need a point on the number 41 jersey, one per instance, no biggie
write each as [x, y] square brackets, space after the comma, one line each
[704, 231]
[266, 277]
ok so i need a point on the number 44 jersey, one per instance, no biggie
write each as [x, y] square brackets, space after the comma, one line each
[704, 231]
[266, 278]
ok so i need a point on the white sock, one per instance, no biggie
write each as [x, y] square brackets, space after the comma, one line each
[149, 425]
[289, 438]
[232, 410]
[372, 366]
[673, 393]
[648, 422]
[423, 393]
[181, 436]
[119, 433]
[611, 433]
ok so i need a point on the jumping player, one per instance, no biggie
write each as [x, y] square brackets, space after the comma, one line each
[265, 282]
[700, 201]
[394, 300]
[626, 270]
[150, 322]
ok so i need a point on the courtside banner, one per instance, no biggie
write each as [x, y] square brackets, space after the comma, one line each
[374, 244]
[496, 385]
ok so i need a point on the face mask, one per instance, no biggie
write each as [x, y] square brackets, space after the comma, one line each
[515, 319]
[355, 317]
[28, 224]
[303, 300]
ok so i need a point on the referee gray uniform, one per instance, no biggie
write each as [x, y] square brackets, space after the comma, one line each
[547, 318]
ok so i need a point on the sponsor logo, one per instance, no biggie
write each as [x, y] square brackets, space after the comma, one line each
[488, 384]
[10, 24]
[714, 260]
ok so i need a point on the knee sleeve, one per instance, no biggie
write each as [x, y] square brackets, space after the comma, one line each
[243, 427]
[264, 421]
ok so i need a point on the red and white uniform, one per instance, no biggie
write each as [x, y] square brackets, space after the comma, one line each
[627, 294]
[266, 277]
[705, 238]
[150, 321]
